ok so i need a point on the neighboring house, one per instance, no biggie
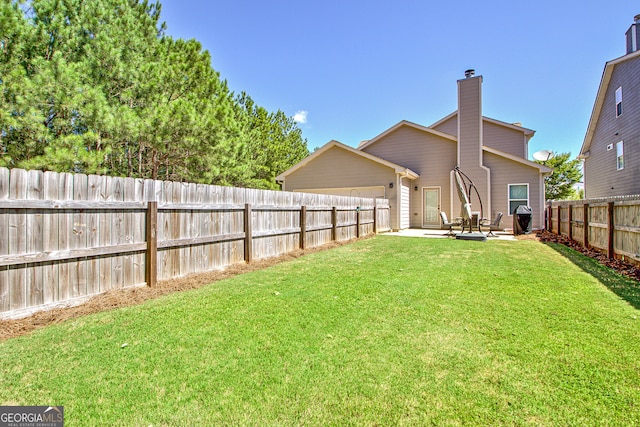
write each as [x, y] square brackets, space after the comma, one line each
[412, 166]
[611, 148]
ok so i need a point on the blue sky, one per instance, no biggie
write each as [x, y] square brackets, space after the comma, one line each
[351, 69]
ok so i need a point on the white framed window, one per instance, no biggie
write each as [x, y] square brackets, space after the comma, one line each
[619, 101]
[620, 155]
[518, 195]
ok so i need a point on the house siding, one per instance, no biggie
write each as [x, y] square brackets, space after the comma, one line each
[430, 156]
[449, 126]
[501, 138]
[338, 168]
[405, 219]
[470, 123]
[512, 172]
[602, 179]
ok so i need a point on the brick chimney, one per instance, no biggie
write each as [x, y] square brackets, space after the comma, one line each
[470, 157]
[633, 36]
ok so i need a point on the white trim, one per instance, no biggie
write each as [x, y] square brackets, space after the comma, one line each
[542, 168]
[619, 101]
[487, 205]
[509, 213]
[543, 203]
[398, 190]
[619, 155]
[452, 193]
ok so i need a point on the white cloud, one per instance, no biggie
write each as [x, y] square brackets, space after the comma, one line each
[300, 116]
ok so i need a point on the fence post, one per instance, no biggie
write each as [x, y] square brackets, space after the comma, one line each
[570, 219]
[334, 223]
[151, 255]
[611, 230]
[303, 227]
[375, 220]
[248, 238]
[585, 222]
[357, 222]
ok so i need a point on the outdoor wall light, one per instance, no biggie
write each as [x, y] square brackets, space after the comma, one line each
[415, 188]
[391, 185]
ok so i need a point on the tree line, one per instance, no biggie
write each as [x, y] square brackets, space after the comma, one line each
[98, 87]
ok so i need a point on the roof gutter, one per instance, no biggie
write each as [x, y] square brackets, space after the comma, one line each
[408, 173]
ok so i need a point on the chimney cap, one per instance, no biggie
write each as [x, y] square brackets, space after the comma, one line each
[469, 73]
[637, 18]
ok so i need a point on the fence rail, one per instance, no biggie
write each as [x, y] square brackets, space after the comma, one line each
[610, 225]
[65, 237]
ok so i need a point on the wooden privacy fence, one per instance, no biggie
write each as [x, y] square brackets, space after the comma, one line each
[611, 225]
[65, 237]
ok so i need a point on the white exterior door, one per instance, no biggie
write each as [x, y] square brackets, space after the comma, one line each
[431, 207]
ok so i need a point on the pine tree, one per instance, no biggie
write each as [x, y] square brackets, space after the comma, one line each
[97, 87]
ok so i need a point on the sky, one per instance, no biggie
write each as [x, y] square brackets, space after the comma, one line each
[347, 70]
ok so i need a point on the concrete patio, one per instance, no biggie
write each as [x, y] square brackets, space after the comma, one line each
[442, 234]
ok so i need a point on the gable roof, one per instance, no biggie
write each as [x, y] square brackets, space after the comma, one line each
[542, 168]
[528, 132]
[406, 123]
[331, 144]
[599, 102]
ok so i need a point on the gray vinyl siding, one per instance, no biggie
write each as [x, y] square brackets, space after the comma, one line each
[507, 172]
[602, 179]
[502, 138]
[633, 32]
[430, 156]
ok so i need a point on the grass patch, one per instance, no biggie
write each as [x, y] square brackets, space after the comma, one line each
[386, 331]
[625, 287]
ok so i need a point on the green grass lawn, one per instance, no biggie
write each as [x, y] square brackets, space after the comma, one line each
[385, 331]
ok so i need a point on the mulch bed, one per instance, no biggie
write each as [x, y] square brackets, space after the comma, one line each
[621, 266]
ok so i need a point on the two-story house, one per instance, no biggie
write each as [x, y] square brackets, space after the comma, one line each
[611, 147]
[412, 166]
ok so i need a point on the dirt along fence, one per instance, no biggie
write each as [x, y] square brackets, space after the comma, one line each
[611, 225]
[65, 237]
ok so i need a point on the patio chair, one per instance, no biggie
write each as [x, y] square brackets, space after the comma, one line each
[446, 223]
[494, 225]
